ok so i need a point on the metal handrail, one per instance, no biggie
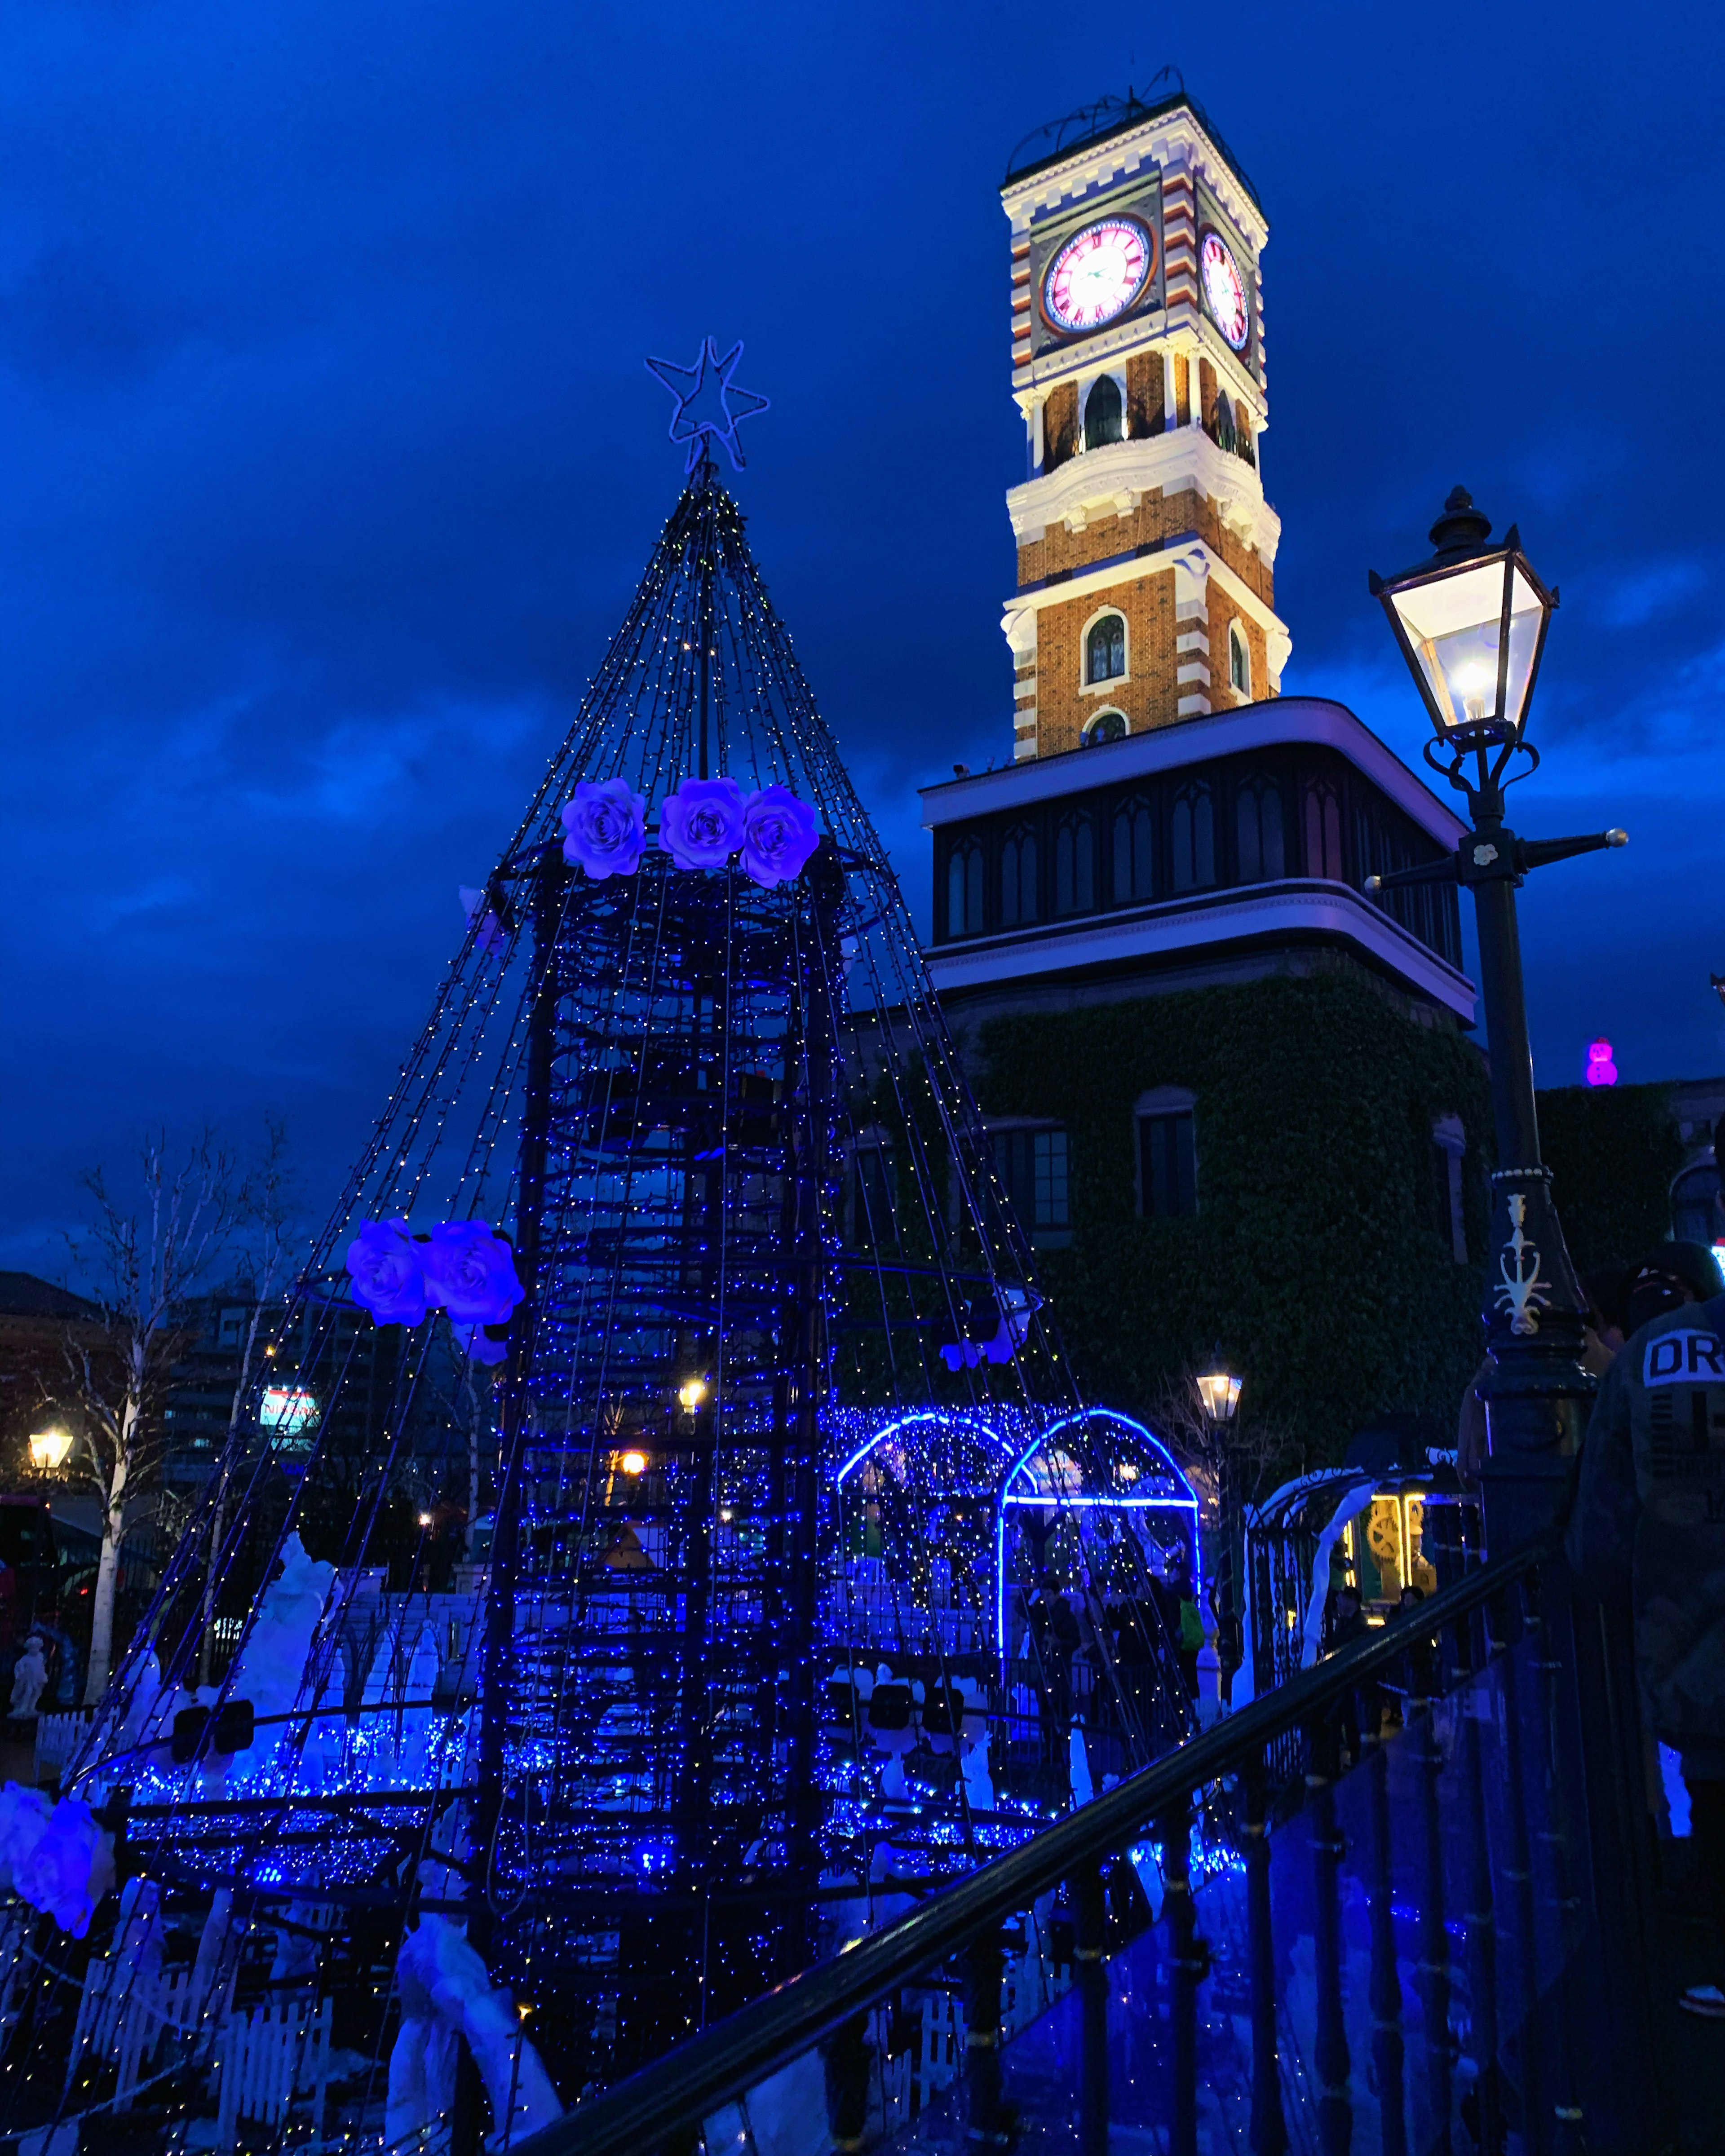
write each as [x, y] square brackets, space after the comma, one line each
[727, 2060]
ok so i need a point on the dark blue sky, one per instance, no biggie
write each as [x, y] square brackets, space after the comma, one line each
[330, 460]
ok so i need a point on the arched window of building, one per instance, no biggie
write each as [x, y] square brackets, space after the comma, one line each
[1323, 831]
[1017, 877]
[1240, 660]
[1102, 413]
[1033, 1164]
[964, 889]
[1075, 856]
[1194, 837]
[1105, 726]
[874, 1224]
[1258, 828]
[1105, 649]
[1449, 1142]
[1134, 850]
[1167, 1154]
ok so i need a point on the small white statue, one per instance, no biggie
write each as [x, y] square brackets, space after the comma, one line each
[30, 1676]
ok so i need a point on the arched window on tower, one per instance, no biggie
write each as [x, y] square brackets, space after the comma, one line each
[1075, 857]
[964, 889]
[1258, 824]
[1134, 850]
[1194, 837]
[1105, 726]
[1017, 877]
[1240, 660]
[1102, 413]
[1105, 649]
[1323, 831]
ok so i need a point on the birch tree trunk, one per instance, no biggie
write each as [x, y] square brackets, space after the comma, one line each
[107, 1584]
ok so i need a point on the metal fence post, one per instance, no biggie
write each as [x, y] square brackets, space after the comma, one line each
[1331, 2057]
[1187, 1963]
[1269, 2127]
[1091, 1909]
[1434, 1934]
[984, 1967]
[1387, 2049]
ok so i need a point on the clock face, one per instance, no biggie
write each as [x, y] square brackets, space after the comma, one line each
[1097, 273]
[1223, 289]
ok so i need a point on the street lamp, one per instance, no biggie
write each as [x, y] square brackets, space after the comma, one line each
[1219, 1394]
[1471, 623]
[50, 1450]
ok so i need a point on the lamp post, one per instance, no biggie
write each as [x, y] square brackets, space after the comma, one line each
[1471, 625]
[1219, 1394]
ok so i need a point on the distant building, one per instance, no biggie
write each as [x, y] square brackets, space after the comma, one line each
[37, 1319]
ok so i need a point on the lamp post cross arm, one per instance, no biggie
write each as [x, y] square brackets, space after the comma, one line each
[1497, 856]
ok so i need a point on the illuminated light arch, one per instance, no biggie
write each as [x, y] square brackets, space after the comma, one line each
[942, 1418]
[1082, 1499]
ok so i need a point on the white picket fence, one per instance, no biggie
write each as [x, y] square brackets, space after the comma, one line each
[261, 2060]
[58, 1738]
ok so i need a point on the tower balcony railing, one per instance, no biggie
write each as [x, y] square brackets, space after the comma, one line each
[1222, 430]
[1435, 1937]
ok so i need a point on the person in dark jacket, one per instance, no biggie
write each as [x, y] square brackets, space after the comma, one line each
[1666, 1280]
[1347, 1623]
[1649, 1523]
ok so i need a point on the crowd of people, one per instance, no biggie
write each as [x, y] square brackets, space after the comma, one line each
[1645, 1528]
[1110, 1661]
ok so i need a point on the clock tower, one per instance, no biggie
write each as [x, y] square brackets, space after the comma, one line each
[1146, 548]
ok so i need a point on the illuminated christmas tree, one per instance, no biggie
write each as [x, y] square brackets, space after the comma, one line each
[688, 1222]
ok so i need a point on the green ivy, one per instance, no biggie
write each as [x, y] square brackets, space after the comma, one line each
[1316, 1257]
[1612, 1151]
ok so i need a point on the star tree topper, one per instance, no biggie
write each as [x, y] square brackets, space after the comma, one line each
[708, 401]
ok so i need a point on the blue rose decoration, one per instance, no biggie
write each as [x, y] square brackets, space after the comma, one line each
[779, 832]
[605, 824]
[700, 825]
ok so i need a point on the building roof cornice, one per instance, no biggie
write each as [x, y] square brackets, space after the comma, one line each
[1278, 723]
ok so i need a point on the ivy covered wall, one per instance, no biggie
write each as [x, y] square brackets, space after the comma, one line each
[1612, 1151]
[1318, 1257]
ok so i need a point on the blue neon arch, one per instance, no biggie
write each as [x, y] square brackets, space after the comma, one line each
[1185, 1502]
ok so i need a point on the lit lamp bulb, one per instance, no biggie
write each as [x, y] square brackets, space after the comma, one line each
[1219, 1393]
[48, 1449]
[425, 1519]
[1474, 685]
[633, 1463]
[691, 1395]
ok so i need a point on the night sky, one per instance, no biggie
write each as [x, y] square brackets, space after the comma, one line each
[330, 460]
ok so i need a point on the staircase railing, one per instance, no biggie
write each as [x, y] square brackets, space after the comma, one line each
[1490, 1858]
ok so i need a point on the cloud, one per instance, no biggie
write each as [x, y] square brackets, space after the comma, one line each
[332, 464]
[1633, 598]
